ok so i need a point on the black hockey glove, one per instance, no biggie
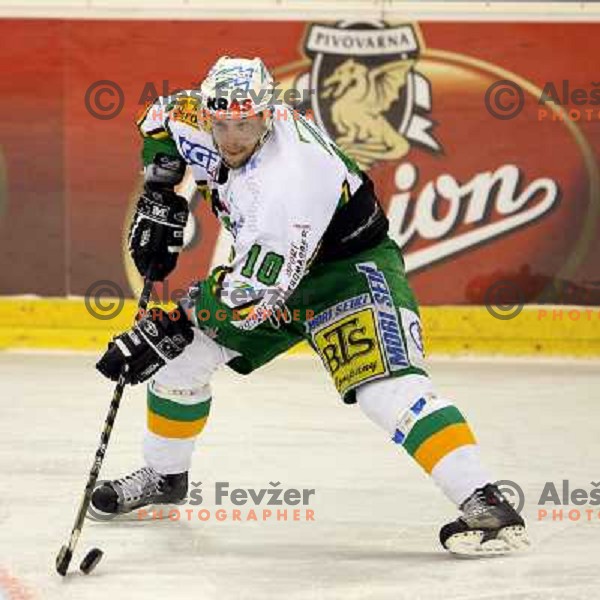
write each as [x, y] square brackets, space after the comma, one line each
[145, 348]
[156, 233]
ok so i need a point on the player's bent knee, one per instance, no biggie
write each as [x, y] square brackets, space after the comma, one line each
[385, 400]
[179, 396]
[193, 369]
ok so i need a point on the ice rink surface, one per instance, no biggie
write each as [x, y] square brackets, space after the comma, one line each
[377, 516]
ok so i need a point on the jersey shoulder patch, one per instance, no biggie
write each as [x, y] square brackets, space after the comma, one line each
[155, 119]
[185, 110]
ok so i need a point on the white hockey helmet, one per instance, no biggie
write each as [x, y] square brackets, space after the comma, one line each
[237, 88]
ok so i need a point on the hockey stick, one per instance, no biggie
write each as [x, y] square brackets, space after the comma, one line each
[92, 558]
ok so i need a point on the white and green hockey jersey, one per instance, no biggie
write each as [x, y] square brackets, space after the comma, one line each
[297, 199]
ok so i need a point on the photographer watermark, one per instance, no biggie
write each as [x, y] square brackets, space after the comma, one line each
[568, 314]
[271, 503]
[562, 495]
[104, 99]
[505, 298]
[104, 299]
[555, 495]
[513, 493]
[505, 100]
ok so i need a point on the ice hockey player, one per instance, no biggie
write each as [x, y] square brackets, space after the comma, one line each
[311, 260]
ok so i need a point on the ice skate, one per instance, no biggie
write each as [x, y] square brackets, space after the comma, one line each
[489, 526]
[141, 488]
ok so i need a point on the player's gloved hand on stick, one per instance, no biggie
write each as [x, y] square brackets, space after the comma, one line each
[145, 348]
[156, 233]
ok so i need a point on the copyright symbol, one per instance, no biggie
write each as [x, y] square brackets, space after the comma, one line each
[504, 300]
[504, 99]
[513, 493]
[93, 513]
[104, 99]
[104, 310]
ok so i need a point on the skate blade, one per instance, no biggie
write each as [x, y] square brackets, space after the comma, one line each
[470, 544]
[151, 512]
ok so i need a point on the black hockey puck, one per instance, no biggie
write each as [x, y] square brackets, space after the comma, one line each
[90, 560]
[63, 559]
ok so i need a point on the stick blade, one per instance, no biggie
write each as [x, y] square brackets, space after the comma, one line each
[63, 559]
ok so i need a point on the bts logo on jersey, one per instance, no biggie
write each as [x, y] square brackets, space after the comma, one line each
[367, 336]
[345, 342]
[350, 349]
